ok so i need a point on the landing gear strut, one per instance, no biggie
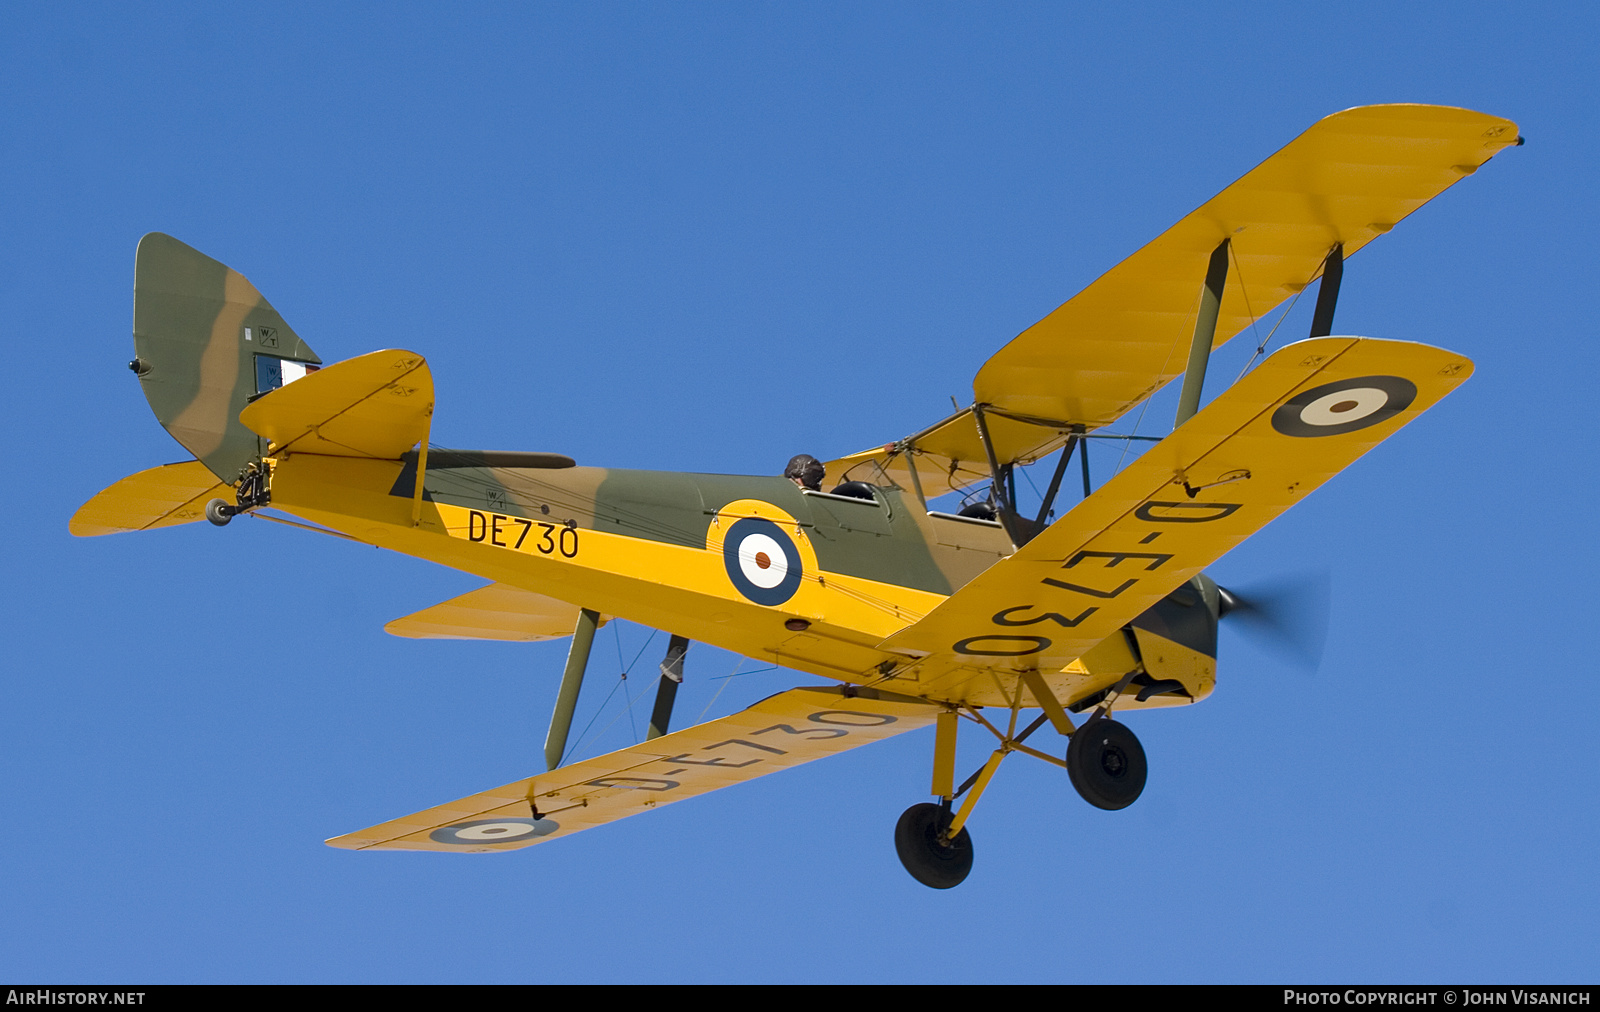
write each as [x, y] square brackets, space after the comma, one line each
[1104, 760]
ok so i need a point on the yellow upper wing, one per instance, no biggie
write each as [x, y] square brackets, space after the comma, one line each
[949, 456]
[1347, 180]
[160, 497]
[376, 405]
[781, 731]
[1302, 416]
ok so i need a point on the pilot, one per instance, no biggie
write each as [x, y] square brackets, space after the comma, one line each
[806, 471]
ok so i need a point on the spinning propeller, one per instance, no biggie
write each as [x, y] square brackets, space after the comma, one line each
[1287, 616]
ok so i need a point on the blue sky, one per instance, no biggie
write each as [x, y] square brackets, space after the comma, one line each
[707, 237]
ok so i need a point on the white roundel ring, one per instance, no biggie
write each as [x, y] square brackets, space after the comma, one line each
[762, 561]
[481, 831]
[1344, 406]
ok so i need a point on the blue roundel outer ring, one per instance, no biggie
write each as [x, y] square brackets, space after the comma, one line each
[770, 596]
[536, 829]
[1400, 392]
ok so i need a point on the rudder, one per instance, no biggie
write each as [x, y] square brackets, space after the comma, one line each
[206, 344]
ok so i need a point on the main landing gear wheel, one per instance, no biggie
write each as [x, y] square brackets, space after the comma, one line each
[1107, 765]
[919, 840]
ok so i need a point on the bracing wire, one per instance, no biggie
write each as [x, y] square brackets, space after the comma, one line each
[631, 722]
[1262, 347]
[1194, 311]
[725, 680]
[1037, 494]
[728, 678]
[1233, 252]
[598, 710]
[741, 674]
[633, 725]
[631, 699]
[640, 653]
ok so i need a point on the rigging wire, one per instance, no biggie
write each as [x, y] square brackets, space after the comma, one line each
[1037, 494]
[1233, 251]
[598, 710]
[741, 674]
[1262, 347]
[1250, 312]
[725, 680]
[631, 722]
[1194, 312]
[253, 514]
[650, 639]
[612, 723]
[633, 725]
[621, 682]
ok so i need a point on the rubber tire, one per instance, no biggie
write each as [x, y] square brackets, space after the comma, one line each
[916, 839]
[1107, 764]
[215, 512]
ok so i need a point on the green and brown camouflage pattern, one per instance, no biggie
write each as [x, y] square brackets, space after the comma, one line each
[190, 315]
[891, 540]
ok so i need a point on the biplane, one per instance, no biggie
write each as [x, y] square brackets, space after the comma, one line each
[975, 616]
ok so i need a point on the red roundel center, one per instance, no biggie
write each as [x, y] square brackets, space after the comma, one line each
[1343, 406]
[763, 561]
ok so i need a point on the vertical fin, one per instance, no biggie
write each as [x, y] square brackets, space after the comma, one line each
[199, 328]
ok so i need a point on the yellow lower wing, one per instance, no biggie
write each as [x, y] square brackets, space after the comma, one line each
[781, 731]
[160, 497]
[1302, 416]
[496, 612]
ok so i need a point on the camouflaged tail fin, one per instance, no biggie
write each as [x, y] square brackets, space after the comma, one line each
[207, 342]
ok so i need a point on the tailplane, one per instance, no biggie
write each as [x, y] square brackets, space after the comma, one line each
[160, 497]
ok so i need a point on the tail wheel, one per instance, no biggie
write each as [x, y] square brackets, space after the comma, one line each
[219, 512]
[931, 860]
[1107, 764]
